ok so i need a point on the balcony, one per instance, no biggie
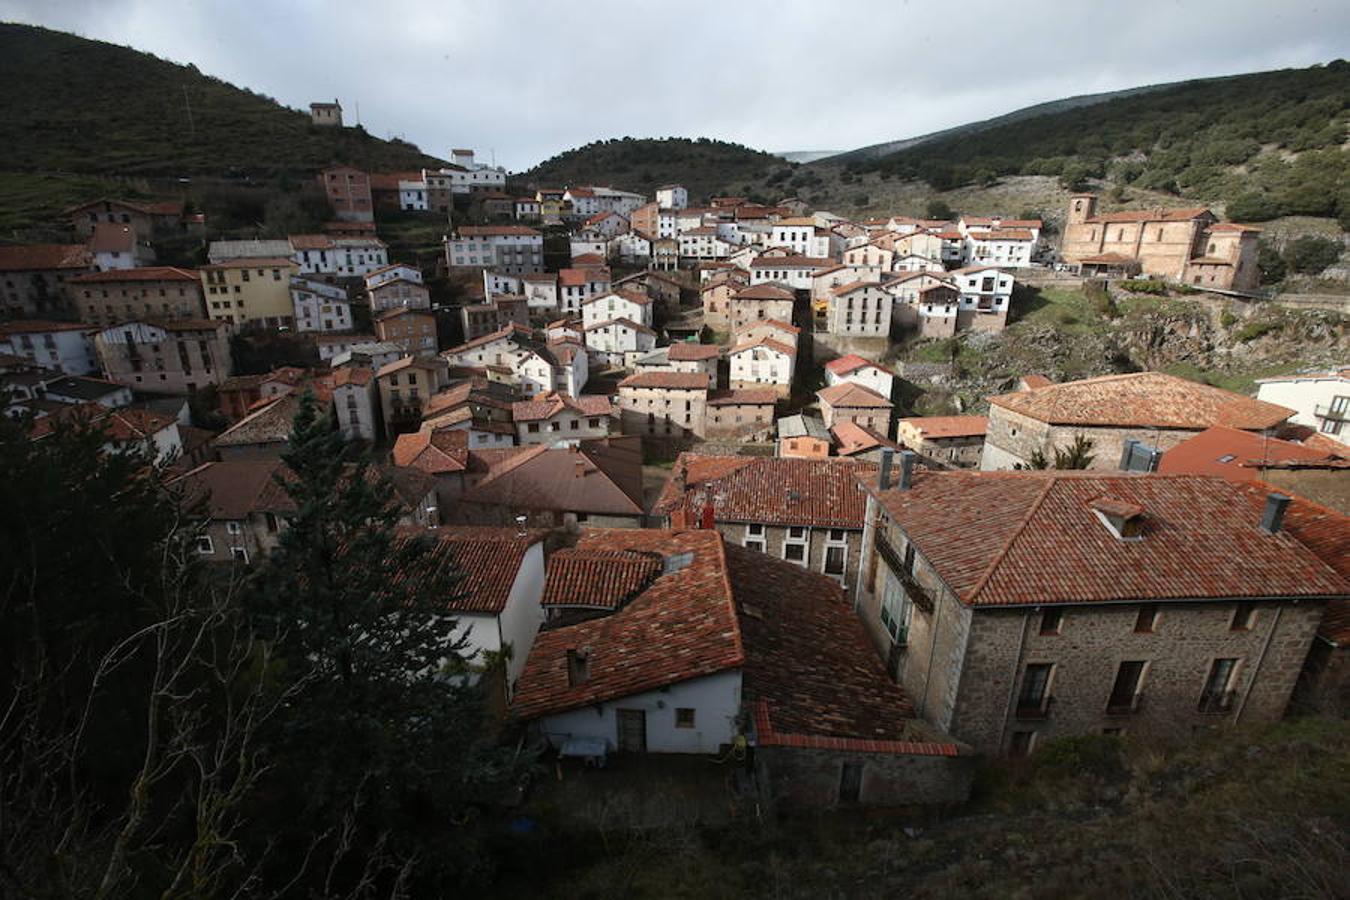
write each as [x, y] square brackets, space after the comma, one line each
[1332, 412]
[1124, 706]
[1030, 708]
[1217, 703]
[917, 593]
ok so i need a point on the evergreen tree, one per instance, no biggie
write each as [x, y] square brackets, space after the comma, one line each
[384, 736]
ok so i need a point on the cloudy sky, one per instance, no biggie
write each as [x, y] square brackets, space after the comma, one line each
[529, 78]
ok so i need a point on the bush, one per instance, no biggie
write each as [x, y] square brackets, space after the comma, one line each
[938, 209]
[1253, 330]
[1145, 286]
[1094, 755]
[1252, 207]
[861, 199]
[1227, 319]
[1310, 254]
[1271, 264]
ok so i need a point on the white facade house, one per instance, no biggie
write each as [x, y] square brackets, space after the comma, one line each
[607, 224]
[469, 176]
[1319, 400]
[67, 346]
[633, 248]
[320, 305]
[672, 196]
[514, 622]
[703, 243]
[714, 699]
[540, 290]
[763, 362]
[576, 286]
[984, 289]
[356, 402]
[495, 283]
[667, 223]
[791, 271]
[615, 341]
[562, 367]
[856, 370]
[801, 237]
[618, 304]
[319, 254]
[1000, 247]
[588, 243]
[412, 196]
[513, 249]
[377, 277]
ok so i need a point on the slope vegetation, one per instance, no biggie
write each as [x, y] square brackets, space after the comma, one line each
[1266, 145]
[706, 167]
[94, 108]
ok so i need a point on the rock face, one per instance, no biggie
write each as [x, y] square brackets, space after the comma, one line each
[1225, 341]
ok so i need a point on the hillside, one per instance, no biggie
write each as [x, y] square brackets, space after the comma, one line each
[706, 167]
[886, 148]
[1263, 145]
[92, 108]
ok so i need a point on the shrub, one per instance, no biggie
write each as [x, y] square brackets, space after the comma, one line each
[1091, 754]
[1310, 254]
[1271, 264]
[1227, 319]
[938, 209]
[1253, 330]
[1145, 286]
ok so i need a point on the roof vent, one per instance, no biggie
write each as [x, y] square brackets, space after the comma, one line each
[907, 458]
[884, 476]
[1136, 456]
[578, 666]
[1125, 519]
[1273, 518]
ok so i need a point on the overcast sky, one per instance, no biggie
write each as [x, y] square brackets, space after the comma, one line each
[530, 78]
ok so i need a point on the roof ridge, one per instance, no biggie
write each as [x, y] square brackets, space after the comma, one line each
[730, 597]
[1007, 545]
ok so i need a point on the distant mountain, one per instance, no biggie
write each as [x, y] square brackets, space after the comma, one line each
[704, 166]
[1266, 144]
[875, 151]
[806, 156]
[73, 105]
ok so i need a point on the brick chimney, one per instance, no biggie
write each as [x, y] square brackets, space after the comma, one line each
[1273, 517]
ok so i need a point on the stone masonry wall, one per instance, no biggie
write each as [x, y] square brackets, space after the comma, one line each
[801, 779]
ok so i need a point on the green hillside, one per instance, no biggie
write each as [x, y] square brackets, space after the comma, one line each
[706, 167]
[1266, 145]
[92, 108]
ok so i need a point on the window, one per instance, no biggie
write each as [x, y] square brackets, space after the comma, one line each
[895, 610]
[794, 552]
[1125, 696]
[234, 528]
[1051, 621]
[1244, 617]
[239, 554]
[834, 561]
[1022, 743]
[1147, 622]
[272, 524]
[204, 545]
[684, 717]
[1217, 697]
[1033, 701]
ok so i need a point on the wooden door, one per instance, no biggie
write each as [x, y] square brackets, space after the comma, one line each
[632, 726]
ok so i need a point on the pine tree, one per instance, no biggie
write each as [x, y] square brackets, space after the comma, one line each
[379, 723]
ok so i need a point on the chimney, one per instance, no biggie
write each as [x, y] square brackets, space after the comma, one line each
[907, 469]
[1127, 453]
[1273, 517]
[579, 470]
[884, 476]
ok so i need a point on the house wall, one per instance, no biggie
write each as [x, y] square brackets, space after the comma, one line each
[564, 426]
[807, 779]
[741, 313]
[110, 302]
[733, 419]
[716, 700]
[1304, 396]
[520, 619]
[775, 538]
[803, 447]
[661, 411]
[1011, 438]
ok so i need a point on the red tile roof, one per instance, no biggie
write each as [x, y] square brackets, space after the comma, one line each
[110, 237]
[39, 257]
[743, 397]
[145, 273]
[852, 439]
[602, 476]
[1151, 215]
[938, 427]
[764, 292]
[630, 296]
[772, 490]
[1142, 399]
[772, 323]
[851, 363]
[467, 231]
[233, 489]
[793, 261]
[546, 406]
[579, 277]
[1235, 455]
[38, 326]
[434, 451]
[853, 396]
[1018, 538]
[776, 346]
[488, 561]
[603, 579]
[682, 627]
[680, 381]
[688, 351]
[120, 425]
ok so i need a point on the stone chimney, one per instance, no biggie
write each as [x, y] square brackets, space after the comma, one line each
[884, 475]
[1273, 517]
[907, 458]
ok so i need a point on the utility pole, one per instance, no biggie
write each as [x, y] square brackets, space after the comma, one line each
[188, 104]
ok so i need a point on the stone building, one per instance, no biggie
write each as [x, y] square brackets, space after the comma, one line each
[1156, 409]
[1186, 245]
[33, 279]
[739, 413]
[806, 511]
[1017, 607]
[955, 439]
[348, 192]
[757, 304]
[663, 404]
[173, 356]
[850, 402]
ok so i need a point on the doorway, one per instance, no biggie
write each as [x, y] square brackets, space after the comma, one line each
[632, 726]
